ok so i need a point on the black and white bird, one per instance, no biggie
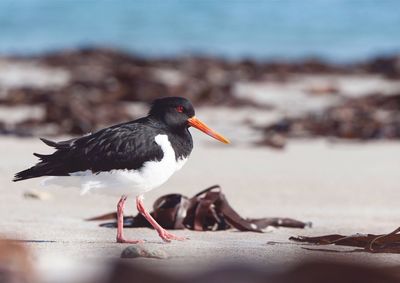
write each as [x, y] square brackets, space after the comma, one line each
[127, 159]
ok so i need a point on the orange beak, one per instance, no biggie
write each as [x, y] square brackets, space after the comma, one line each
[194, 122]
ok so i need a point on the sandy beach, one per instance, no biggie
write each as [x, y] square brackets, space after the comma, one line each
[340, 187]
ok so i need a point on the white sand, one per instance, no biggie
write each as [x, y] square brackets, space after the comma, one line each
[294, 96]
[14, 74]
[342, 188]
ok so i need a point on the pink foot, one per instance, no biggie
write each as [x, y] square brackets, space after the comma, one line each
[164, 234]
[122, 240]
[120, 224]
[167, 236]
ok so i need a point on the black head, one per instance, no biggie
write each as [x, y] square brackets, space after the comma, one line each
[177, 113]
[173, 111]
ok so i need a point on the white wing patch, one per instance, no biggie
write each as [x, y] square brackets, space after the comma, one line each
[123, 181]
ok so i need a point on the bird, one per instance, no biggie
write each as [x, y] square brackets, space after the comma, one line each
[127, 159]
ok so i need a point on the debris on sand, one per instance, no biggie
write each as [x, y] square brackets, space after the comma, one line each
[366, 118]
[385, 243]
[206, 211]
[39, 195]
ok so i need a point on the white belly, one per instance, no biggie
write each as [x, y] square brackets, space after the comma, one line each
[126, 182]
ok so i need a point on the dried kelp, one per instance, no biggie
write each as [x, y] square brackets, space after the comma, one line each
[208, 210]
[385, 243]
[366, 118]
[109, 80]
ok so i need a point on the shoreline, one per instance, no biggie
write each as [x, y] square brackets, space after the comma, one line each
[319, 57]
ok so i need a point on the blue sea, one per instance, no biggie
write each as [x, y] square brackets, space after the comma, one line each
[286, 29]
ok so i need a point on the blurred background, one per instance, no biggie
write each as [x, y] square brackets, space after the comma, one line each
[335, 30]
[62, 59]
[308, 92]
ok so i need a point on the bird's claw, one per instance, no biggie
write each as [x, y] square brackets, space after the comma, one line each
[167, 236]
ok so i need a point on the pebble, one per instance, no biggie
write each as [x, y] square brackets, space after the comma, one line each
[39, 195]
[141, 251]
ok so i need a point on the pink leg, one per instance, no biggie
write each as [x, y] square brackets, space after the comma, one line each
[120, 223]
[164, 234]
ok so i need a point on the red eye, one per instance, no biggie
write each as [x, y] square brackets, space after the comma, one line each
[179, 109]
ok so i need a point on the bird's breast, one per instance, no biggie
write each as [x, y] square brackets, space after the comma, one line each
[157, 172]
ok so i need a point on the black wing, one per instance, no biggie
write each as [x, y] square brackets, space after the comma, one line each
[124, 146]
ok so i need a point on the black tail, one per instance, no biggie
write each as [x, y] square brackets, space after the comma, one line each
[36, 171]
[46, 166]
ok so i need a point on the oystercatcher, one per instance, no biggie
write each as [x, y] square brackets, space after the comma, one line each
[127, 159]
